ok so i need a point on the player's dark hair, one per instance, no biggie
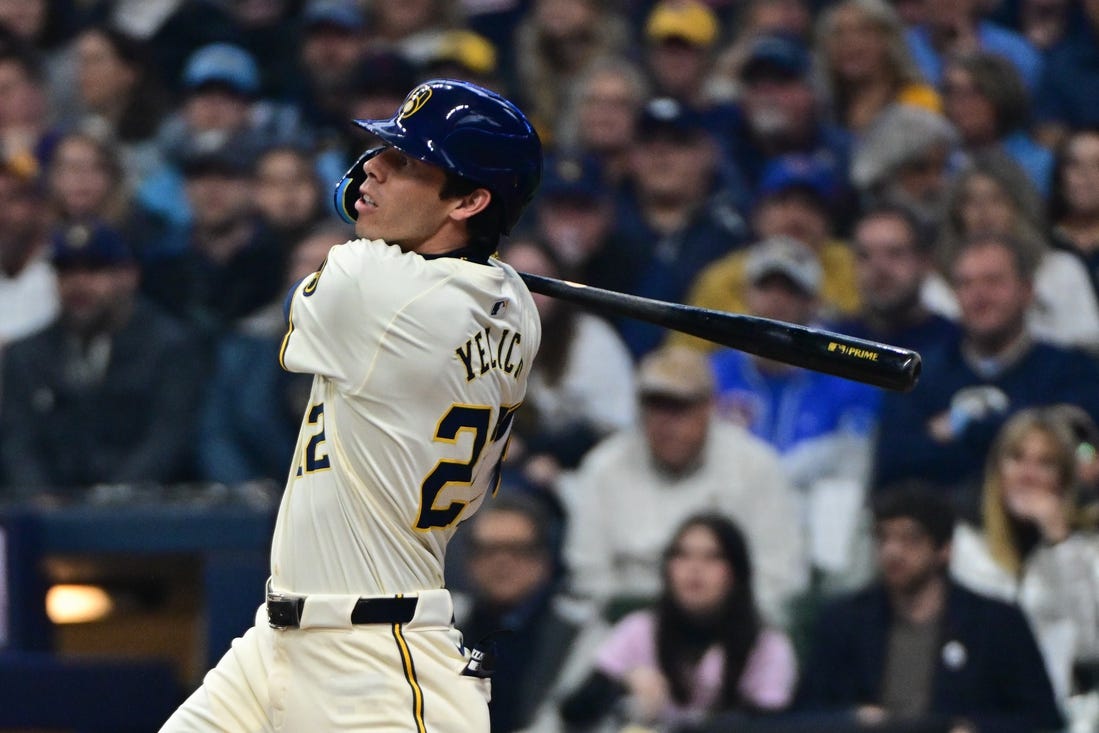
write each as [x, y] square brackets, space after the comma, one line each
[682, 638]
[921, 503]
[483, 228]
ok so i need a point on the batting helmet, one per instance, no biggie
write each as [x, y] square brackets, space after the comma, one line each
[467, 130]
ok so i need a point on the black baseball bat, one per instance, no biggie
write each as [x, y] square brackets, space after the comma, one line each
[881, 365]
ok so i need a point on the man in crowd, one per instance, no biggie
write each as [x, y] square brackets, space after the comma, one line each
[915, 649]
[941, 431]
[108, 393]
[635, 486]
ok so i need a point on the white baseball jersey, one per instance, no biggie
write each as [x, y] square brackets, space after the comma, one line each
[420, 363]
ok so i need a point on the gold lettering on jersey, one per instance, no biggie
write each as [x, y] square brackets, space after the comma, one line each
[489, 349]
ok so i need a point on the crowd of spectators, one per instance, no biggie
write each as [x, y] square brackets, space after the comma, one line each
[688, 538]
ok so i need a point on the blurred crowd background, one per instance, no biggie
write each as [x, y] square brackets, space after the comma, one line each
[687, 538]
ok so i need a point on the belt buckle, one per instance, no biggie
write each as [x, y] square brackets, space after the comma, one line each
[284, 611]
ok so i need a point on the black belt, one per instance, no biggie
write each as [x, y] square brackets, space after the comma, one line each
[285, 613]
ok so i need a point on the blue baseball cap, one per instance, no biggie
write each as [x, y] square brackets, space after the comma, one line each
[225, 64]
[91, 246]
[573, 177]
[775, 57]
[341, 14]
[812, 173]
[668, 117]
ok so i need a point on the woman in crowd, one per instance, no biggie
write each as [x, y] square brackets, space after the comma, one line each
[993, 195]
[86, 182]
[581, 387]
[986, 100]
[700, 651]
[555, 42]
[866, 64]
[1074, 200]
[1035, 546]
[119, 96]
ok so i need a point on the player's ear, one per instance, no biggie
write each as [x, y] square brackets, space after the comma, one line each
[471, 204]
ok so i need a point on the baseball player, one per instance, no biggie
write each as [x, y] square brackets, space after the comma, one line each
[421, 344]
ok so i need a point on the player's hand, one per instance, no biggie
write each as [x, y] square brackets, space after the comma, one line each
[648, 692]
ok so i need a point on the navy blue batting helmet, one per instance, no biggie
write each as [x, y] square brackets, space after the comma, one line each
[467, 130]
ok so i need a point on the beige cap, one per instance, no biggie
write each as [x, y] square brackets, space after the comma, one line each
[678, 372]
[787, 256]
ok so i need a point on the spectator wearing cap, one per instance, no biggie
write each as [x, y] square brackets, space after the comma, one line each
[779, 110]
[680, 40]
[796, 198]
[221, 107]
[268, 31]
[635, 486]
[228, 263]
[952, 27]
[574, 213]
[866, 63]
[108, 392]
[28, 283]
[907, 157]
[676, 215]
[821, 425]
[333, 40]
[460, 53]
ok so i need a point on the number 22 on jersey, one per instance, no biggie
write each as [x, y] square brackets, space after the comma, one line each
[474, 418]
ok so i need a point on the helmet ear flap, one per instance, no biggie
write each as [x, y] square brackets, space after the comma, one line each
[347, 190]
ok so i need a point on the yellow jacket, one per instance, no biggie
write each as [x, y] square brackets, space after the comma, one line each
[721, 287]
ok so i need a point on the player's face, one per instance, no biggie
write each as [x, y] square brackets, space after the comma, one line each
[400, 203]
[699, 576]
[506, 562]
[907, 556]
[889, 267]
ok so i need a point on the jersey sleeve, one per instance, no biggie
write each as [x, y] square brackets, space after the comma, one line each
[323, 309]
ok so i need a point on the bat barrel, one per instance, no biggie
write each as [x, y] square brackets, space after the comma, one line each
[870, 362]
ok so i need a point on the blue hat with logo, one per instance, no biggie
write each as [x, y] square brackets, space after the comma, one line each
[776, 56]
[90, 246]
[575, 177]
[668, 117]
[812, 173]
[224, 64]
[343, 15]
